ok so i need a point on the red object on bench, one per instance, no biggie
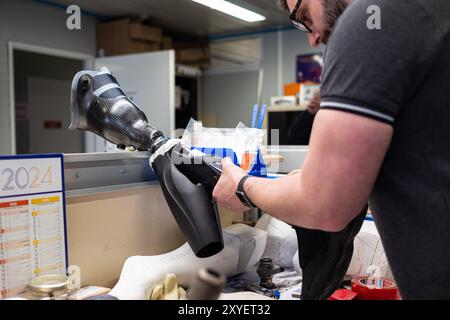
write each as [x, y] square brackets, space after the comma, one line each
[343, 294]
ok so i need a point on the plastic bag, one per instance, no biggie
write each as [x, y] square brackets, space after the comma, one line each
[242, 144]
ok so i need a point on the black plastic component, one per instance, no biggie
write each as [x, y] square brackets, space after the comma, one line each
[266, 269]
[188, 195]
[325, 258]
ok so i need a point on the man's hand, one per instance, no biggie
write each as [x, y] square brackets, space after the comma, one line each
[225, 190]
[314, 104]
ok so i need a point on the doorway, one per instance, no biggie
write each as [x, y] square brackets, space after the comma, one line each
[41, 85]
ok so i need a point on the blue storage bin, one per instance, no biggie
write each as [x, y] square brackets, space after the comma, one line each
[258, 168]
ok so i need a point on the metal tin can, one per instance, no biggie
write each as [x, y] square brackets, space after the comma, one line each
[49, 287]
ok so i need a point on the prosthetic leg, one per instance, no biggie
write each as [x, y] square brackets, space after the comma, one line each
[99, 105]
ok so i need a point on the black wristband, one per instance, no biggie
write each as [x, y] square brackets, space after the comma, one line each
[240, 192]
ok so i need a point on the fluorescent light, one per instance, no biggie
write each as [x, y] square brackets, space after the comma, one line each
[232, 9]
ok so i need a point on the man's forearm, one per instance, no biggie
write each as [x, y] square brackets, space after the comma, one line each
[345, 156]
[282, 198]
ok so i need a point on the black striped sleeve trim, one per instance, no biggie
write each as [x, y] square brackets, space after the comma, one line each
[342, 106]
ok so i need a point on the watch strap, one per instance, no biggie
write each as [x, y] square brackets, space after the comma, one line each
[242, 195]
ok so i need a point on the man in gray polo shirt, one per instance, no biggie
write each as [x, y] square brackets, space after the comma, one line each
[382, 135]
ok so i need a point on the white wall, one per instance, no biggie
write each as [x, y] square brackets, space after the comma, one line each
[231, 96]
[280, 50]
[33, 23]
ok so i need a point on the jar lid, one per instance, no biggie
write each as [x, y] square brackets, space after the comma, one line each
[49, 283]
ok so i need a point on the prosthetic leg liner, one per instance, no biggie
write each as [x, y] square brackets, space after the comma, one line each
[99, 105]
[325, 257]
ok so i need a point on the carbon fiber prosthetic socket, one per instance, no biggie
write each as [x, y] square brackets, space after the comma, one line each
[100, 105]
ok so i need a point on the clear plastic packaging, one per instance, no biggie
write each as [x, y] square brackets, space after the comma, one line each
[242, 144]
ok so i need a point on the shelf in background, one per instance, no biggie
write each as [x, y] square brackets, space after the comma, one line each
[287, 108]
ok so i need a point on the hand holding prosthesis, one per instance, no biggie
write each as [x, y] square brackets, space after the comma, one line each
[99, 105]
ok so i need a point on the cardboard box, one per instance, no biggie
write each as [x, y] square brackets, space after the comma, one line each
[308, 92]
[193, 55]
[184, 44]
[122, 37]
[137, 46]
[291, 89]
[139, 31]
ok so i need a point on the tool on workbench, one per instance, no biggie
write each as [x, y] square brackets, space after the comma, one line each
[266, 269]
[260, 290]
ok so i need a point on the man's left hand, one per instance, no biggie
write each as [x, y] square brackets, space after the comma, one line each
[225, 191]
[314, 104]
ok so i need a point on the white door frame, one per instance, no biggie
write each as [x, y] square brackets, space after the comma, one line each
[86, 58]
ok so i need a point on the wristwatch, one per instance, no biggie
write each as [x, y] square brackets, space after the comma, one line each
[242, 195]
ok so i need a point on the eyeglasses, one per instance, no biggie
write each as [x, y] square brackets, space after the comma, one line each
[296, 22]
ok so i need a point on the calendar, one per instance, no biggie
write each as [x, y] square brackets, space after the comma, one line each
[32, 220]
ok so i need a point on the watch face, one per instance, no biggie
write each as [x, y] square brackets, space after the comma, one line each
[243, 198]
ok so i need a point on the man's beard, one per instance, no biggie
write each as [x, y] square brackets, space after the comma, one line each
[332, 10]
